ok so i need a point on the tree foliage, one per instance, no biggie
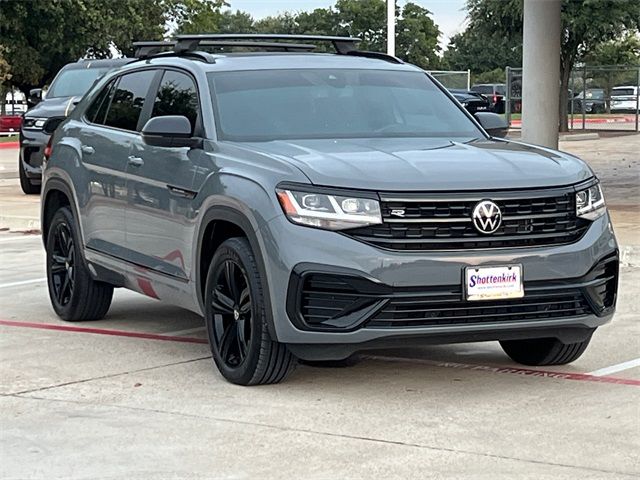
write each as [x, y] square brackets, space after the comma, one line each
[416, 32]
[41, 36]
[495, 28]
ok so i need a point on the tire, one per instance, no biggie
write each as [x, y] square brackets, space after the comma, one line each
[75, 296]
[26, 185]
[236, 320]
[544, 351]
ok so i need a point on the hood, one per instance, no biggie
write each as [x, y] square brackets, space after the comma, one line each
[52, 107]
[427, 164]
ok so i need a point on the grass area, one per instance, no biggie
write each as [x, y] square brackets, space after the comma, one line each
[9, 138]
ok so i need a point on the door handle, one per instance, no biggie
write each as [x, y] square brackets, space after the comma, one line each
[88, 149]
[135, 161]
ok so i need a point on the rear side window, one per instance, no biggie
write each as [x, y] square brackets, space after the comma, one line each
[128, 99]
[485, 89]
[97, 111]
[623, 91]
[500, 89]
[177, 95]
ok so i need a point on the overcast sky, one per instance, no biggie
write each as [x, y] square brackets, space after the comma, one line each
[449, 15]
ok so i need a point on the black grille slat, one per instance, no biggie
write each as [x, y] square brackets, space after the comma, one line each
[544, 305]
[537, 218]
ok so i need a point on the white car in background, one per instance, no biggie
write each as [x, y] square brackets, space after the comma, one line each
[624, 99]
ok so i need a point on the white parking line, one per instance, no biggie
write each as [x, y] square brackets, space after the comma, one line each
[616, 368]
[177, 333]
[23, 282]
[21, 237]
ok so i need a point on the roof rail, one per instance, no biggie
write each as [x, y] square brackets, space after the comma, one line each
[189, 43]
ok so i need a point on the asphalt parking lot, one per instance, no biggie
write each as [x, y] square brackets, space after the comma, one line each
[136, 396]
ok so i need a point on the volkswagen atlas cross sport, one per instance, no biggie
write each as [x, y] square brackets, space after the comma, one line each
[315, 205]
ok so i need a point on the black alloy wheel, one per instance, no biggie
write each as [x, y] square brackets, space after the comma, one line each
[63, 264]
[231, 304]
[236, 316]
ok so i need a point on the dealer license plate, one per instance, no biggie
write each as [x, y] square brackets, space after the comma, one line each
[491, 283]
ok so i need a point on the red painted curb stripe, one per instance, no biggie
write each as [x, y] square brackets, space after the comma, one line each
[584, 377]
[528, 372]
[9, 145]
[102, 331]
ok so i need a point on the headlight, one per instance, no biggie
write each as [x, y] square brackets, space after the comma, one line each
[329, 211]
[590, 203]
[33, 122]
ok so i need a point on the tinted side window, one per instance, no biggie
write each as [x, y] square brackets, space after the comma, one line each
[98, 109]
[177, 95]
[128, 99]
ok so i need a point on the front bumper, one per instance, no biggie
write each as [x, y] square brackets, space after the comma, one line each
[32, 145]
[287, 248]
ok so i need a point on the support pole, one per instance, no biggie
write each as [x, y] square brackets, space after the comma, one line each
[541, 72]
[391, 27]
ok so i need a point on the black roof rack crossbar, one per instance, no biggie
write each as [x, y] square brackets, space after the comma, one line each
[379, 55]
[188, 43]
[287, 47]
[147, 49]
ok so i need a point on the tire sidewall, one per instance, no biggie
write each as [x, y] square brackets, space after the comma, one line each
[239, 251]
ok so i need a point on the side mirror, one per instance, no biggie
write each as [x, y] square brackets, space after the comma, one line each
[35, 96]
[168, 131]
[51, 124]
[494, 124]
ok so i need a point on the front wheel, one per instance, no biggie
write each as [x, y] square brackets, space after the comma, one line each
[235, 315]
[544, 351]
[27, 186]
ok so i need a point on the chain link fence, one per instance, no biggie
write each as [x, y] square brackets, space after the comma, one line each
[453, 79]
[600, 98]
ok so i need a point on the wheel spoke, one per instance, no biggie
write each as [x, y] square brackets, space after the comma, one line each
[59, 260]
[227, 342]
[63, 289]
[242, 340]
[245, 302]
[230, 277]
[57, 267]
[221, 302]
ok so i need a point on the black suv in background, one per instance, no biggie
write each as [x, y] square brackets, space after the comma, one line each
[69, 85]
[472, 101]
[495, 93]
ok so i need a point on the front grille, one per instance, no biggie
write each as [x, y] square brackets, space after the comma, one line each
[324, 301]
[529, 219]
[426, 310]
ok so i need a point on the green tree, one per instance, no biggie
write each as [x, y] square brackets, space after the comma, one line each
[41, 36]
[417, 37]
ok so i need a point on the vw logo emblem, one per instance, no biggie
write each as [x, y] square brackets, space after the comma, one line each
[486, 216]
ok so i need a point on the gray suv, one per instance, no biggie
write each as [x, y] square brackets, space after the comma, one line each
[314, 205]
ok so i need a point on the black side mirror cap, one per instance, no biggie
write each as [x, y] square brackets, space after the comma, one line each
[51, 124]
[494, 124]
[169, 131]
[35, 96]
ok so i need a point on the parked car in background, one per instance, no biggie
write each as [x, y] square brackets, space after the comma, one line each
[593, 100]
[10, 123]
[69, 85]
[472, 101]
[624, 99]
[494, 92]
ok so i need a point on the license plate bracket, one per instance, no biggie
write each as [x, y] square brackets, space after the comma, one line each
[499, 282]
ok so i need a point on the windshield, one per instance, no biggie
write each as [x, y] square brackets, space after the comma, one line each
[298, 104]
[74, 82]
